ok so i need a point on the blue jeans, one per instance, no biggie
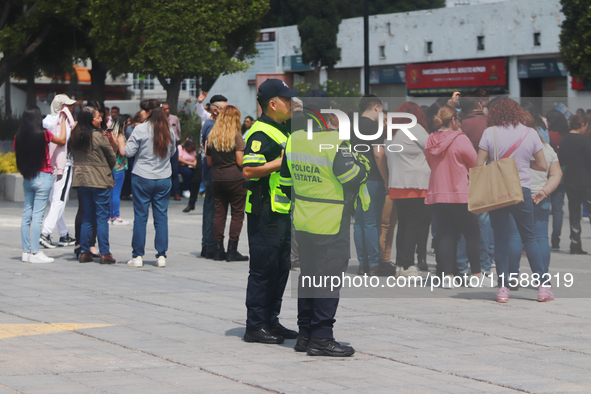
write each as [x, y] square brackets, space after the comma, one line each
[146, 192]
[557, 201]
[36, 196]
[507, 242]
[97, 205]
[119, 177]
[485, 236]
[541, 219]
[208, 214]
[462, 257]
[366, 231]
[187, 174]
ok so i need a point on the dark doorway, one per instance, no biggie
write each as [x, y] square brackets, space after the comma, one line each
[531, 87]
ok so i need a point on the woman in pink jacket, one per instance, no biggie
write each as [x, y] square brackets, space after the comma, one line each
[450, 154]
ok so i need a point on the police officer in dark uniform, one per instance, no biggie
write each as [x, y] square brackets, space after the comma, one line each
[267, 208]
[324, 184]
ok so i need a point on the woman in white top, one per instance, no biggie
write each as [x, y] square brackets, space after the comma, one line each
[408, 183]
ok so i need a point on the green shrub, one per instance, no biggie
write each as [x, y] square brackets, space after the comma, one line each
[8, 163]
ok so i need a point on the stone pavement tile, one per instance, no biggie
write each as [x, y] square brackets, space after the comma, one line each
[123, 382]
[193, 313]
[6, 390]
[46, 384]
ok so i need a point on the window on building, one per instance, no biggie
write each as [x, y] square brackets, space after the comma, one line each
[429, 47]
[193, 87]
[184, 85]
[537, 39]
[480, 43]
[382, 51]
[147, 79]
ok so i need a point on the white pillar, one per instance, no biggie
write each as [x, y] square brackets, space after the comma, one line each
[513, 79]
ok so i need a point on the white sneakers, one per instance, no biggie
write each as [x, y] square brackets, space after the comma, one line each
[118, 222]
[447, 282]
[136, 262]
[410, 271]
[26, 257]
[161, 261]
[39, 258]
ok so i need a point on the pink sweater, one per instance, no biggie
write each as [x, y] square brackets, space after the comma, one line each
[449, 154]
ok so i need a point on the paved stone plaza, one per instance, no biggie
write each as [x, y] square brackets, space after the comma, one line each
[86, 328]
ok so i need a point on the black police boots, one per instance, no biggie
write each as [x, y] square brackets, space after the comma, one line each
[301, 344]
[190, 207]
[284, 332]
[262, 335]
[218, 250]
[328, 347]
[233, 254]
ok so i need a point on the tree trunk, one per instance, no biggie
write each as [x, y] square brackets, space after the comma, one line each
[173, 90]
[7, 97]
[98, 75]
[31, 94]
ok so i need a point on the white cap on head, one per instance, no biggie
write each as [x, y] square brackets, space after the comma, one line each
[59, 101]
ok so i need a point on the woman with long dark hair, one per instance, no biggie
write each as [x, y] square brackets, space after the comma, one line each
[98, 105]
[94, 161]
[31, 147]
[152, 143]
[225, 152]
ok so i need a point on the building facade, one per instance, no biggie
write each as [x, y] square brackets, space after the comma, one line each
[509, 48]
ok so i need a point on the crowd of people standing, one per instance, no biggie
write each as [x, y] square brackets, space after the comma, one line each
[424, 184]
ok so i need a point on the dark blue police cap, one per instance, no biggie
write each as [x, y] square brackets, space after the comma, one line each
[275, 88]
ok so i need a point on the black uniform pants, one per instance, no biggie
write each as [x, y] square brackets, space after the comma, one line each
[317, 301]
[269, 241]
[576, 197]
[411, 220]
[453, 220]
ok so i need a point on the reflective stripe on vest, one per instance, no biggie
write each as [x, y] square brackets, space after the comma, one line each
[280, 203]
[318, 195]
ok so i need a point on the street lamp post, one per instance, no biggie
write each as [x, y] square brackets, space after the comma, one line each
[366, 46]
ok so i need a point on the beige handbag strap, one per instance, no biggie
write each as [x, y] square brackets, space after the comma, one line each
[496, 153]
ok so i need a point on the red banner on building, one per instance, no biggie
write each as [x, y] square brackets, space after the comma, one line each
[442, 78]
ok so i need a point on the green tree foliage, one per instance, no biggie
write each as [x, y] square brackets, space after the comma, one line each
[176, 39]
[26, 25]
[333, 88]
[318, 33]
[575, 38]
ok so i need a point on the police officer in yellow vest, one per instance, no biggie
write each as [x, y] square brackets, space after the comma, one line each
[267, 208]
[323, 178]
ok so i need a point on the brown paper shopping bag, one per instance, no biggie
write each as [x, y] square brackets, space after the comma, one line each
[497, 184]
